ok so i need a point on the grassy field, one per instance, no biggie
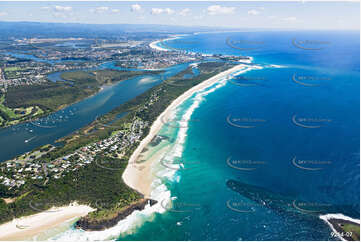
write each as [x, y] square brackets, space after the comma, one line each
[5, 109]
[12, 69]
[11, 116]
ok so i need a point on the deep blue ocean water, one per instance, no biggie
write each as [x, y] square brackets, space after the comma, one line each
[275, 147]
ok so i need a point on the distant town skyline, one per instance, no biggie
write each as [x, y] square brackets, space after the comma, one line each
[272, 15]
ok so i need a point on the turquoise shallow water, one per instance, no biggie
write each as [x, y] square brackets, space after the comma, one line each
[299, 158]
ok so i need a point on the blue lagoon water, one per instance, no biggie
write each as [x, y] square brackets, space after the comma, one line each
[272, 148]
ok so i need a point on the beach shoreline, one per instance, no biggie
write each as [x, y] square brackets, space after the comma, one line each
[138, 176]
[154, 45]
[28, 227]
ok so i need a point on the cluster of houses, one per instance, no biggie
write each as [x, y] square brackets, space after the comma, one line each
[14, 174]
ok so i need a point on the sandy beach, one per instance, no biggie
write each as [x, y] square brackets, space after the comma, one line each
[155, 46]
[26, 228]
[138, 175]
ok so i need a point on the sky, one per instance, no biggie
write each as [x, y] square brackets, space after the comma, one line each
[272, 15]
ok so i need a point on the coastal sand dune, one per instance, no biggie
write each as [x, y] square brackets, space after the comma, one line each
[138, 176]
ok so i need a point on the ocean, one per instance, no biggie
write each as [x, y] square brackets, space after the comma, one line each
[261, 154]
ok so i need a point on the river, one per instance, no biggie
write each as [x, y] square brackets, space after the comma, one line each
[24, 137]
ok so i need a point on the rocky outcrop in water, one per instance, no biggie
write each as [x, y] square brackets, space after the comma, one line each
[97, 225]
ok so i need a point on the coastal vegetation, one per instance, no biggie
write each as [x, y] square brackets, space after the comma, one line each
[99, 183]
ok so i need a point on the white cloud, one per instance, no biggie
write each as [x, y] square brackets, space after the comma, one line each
[99, 10]
[218, 9]
[253, 12]
[156, 11]
[63, 9]
[45, 8]
[185, 12]
[135, 8]
[115, 10]
[3, 14]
